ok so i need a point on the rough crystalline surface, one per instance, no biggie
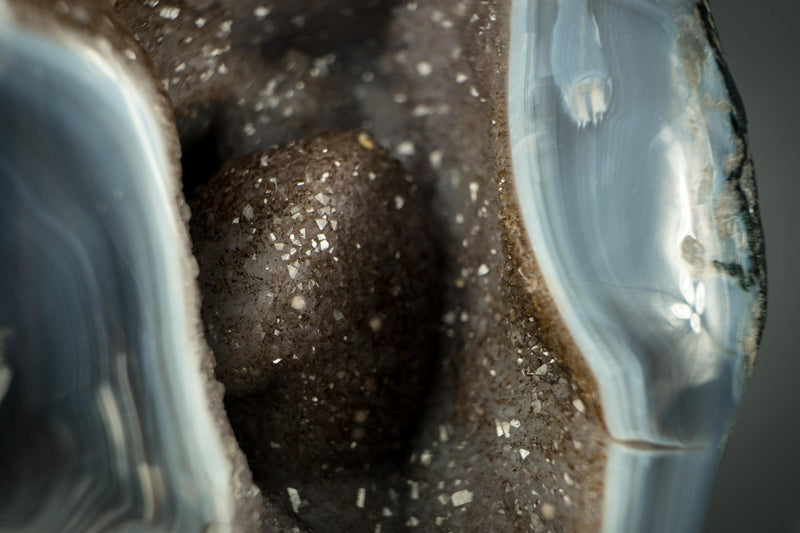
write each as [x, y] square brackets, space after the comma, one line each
[319, 273]
[509, 437]
[323, 246]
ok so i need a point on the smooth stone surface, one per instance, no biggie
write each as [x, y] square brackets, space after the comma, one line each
[107, 421]
[642, 217]
[669, 487]
[636, 186]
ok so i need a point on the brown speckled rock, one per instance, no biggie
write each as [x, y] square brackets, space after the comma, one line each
[243, 75]
[509, 436]
[318, 275]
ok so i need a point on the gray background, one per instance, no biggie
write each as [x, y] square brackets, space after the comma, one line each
[758, 487]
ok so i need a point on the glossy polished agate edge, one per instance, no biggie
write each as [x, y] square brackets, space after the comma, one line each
[635, 186]
[657, 490]
[631, 211]
[106, 422]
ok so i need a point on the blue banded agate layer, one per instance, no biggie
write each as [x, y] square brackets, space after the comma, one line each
[636, 190]
[105, 422]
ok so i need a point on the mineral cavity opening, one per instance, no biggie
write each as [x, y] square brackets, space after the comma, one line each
[320, 272]
[199, 158]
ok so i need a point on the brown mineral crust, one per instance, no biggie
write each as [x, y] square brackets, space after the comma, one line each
[173, 31]
[530, 301]
[318, 272]
[524, 280]
[511, 437]
[244, 75]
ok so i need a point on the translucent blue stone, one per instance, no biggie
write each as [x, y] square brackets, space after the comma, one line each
[637, 193]
[106, 419]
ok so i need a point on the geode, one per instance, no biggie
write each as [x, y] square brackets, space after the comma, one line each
[465, 265]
